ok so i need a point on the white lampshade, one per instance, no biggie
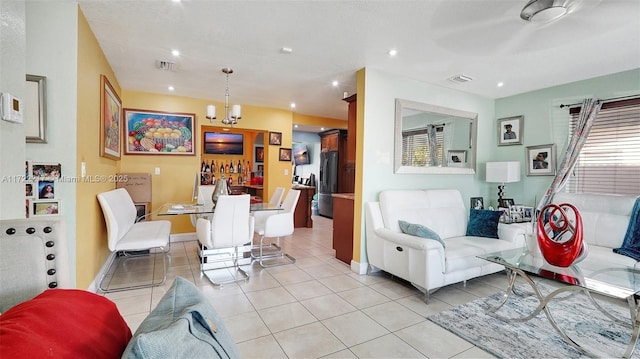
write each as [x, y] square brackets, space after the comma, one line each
[503, 172]
[236, 111]
[211, 111]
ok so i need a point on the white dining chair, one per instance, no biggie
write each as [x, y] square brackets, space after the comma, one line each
[276, 225]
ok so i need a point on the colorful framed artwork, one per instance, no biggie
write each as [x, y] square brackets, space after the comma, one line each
[110, 122]
[259, 154]
[275, 138]
[45, 171]
[510, 130]
[285, 154]
[541, 160]
[159, 133]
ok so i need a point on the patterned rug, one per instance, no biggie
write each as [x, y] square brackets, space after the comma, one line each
[536, 338]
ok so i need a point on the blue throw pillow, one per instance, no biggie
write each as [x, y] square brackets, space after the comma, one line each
[483, 223]
[420, 231]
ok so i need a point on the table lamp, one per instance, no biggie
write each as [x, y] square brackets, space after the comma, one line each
[503, 172]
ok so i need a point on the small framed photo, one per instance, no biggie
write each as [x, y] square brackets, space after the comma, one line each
[46, 208]
[275, 138]
[46, 170]
[46, 190]
[260, 168]
[506, 203]
[259, 154]
[456, 158]
[477, 203]
[28, 190]
[285, 154]
[510, 130]
[505, 217]
[527, 214]
[541, 160]
[27, 203]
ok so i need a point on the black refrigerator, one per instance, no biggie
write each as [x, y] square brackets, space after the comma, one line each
[328, 183]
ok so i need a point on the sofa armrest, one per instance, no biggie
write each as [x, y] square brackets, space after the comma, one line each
[408, 240]
[514, 233]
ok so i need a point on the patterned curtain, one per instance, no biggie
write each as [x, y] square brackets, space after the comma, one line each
[588, 113]
[433, 146]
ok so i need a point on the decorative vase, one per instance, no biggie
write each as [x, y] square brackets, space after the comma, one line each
[221, 189]
[560, 240]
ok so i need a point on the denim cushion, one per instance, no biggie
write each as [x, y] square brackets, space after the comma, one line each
[183, 325]
[420, 231]
[483, 223]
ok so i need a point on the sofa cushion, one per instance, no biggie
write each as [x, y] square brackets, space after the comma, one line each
[462, 252]
[483, 223]
[420, 231]
[63, 323]
[183, 325]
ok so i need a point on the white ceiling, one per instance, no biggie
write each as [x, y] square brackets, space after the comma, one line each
[436, 39]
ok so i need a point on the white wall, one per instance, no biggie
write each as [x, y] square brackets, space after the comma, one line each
[12, 80]
[52, 42]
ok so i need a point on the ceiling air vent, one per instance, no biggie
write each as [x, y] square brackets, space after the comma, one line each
[460, 78]
[166, 65]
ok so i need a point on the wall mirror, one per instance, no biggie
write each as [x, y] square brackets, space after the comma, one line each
[433, 139]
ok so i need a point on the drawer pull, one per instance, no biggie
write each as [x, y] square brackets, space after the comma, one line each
[399, 249]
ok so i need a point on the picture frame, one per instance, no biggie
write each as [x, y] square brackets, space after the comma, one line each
[35, 111]
[45, 171]
[505, 217]
[506, 202]
[28, 190]
[27, 204]
[510, 130]
[157, 133]
[46, 208]
[456, 158]
[259, 154]
[46, 189]
[110, 121]
[275, 138]
[541, 160]
[476, 203]
[285, 154]
[527, 213]
[260, 168]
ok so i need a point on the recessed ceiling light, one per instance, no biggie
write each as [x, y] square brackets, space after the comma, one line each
[335, 83]
[293, 105]
[175, 53]
[321, 128]
[295, 126]
[171, 88]
[393, 52]
[500, 84]
[286, 50]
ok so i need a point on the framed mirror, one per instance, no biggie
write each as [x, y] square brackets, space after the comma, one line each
[426, 136]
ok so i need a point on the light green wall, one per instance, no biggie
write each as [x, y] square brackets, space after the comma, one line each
[545, 123]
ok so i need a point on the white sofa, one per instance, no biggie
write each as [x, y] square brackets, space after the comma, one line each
[424, 262]
[605, 219]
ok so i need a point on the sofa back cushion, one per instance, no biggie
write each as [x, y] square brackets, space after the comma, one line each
[605, 218]
[442, 210]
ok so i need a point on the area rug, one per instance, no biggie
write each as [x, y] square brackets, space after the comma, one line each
[536, 338]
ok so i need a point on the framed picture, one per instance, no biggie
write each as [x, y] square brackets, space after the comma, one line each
[477, 203]
[27, 204]
[159, 133]
[285, 154]
[46, 190]
[510, 130]
[456, 158]
[275, 138]
[260, 168]
[505, 217]
[527, 213]
[506, 202]
[35, 112]
[46, 208]
[28, 190]
[541, 160]
[46, 171]
[259, 154]
[110, 123]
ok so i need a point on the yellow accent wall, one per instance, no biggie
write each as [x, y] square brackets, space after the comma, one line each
[357, 204]
[91, 232]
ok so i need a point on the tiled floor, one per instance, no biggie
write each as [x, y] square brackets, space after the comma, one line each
[318, 308]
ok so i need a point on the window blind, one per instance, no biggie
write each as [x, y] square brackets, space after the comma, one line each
[609, 162]
[415, 146]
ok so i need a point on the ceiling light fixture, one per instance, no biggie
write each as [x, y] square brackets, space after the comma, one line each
[335, 83]
[175, 53]
[544, 10]
[235, 110]
[171, 88]
[500, 84]
[293, 105]
[393, 52]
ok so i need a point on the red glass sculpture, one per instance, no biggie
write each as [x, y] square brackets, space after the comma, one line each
[560, 240]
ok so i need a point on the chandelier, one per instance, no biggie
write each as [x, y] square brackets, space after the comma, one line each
[229, 119]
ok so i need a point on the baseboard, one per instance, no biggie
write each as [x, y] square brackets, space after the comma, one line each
[183, 237]
[93, 287]
[359, 268]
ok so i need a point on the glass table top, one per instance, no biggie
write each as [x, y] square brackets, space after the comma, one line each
[618, 281]
[169, 209]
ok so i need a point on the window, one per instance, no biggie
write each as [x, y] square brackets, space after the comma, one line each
[609, 162]
[415, 147]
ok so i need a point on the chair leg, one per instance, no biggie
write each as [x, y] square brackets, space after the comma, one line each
[106, 286]
[272, 257]
[208, 265]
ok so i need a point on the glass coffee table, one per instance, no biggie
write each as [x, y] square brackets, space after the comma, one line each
[622, 282]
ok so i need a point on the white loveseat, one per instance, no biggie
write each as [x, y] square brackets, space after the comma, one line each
[424, 262]
[605, 219]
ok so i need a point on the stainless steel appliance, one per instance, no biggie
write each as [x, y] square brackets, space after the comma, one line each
[328, 183]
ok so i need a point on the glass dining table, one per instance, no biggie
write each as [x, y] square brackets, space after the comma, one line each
[172, 209]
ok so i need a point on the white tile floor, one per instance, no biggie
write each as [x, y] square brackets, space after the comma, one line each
[318, 308]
